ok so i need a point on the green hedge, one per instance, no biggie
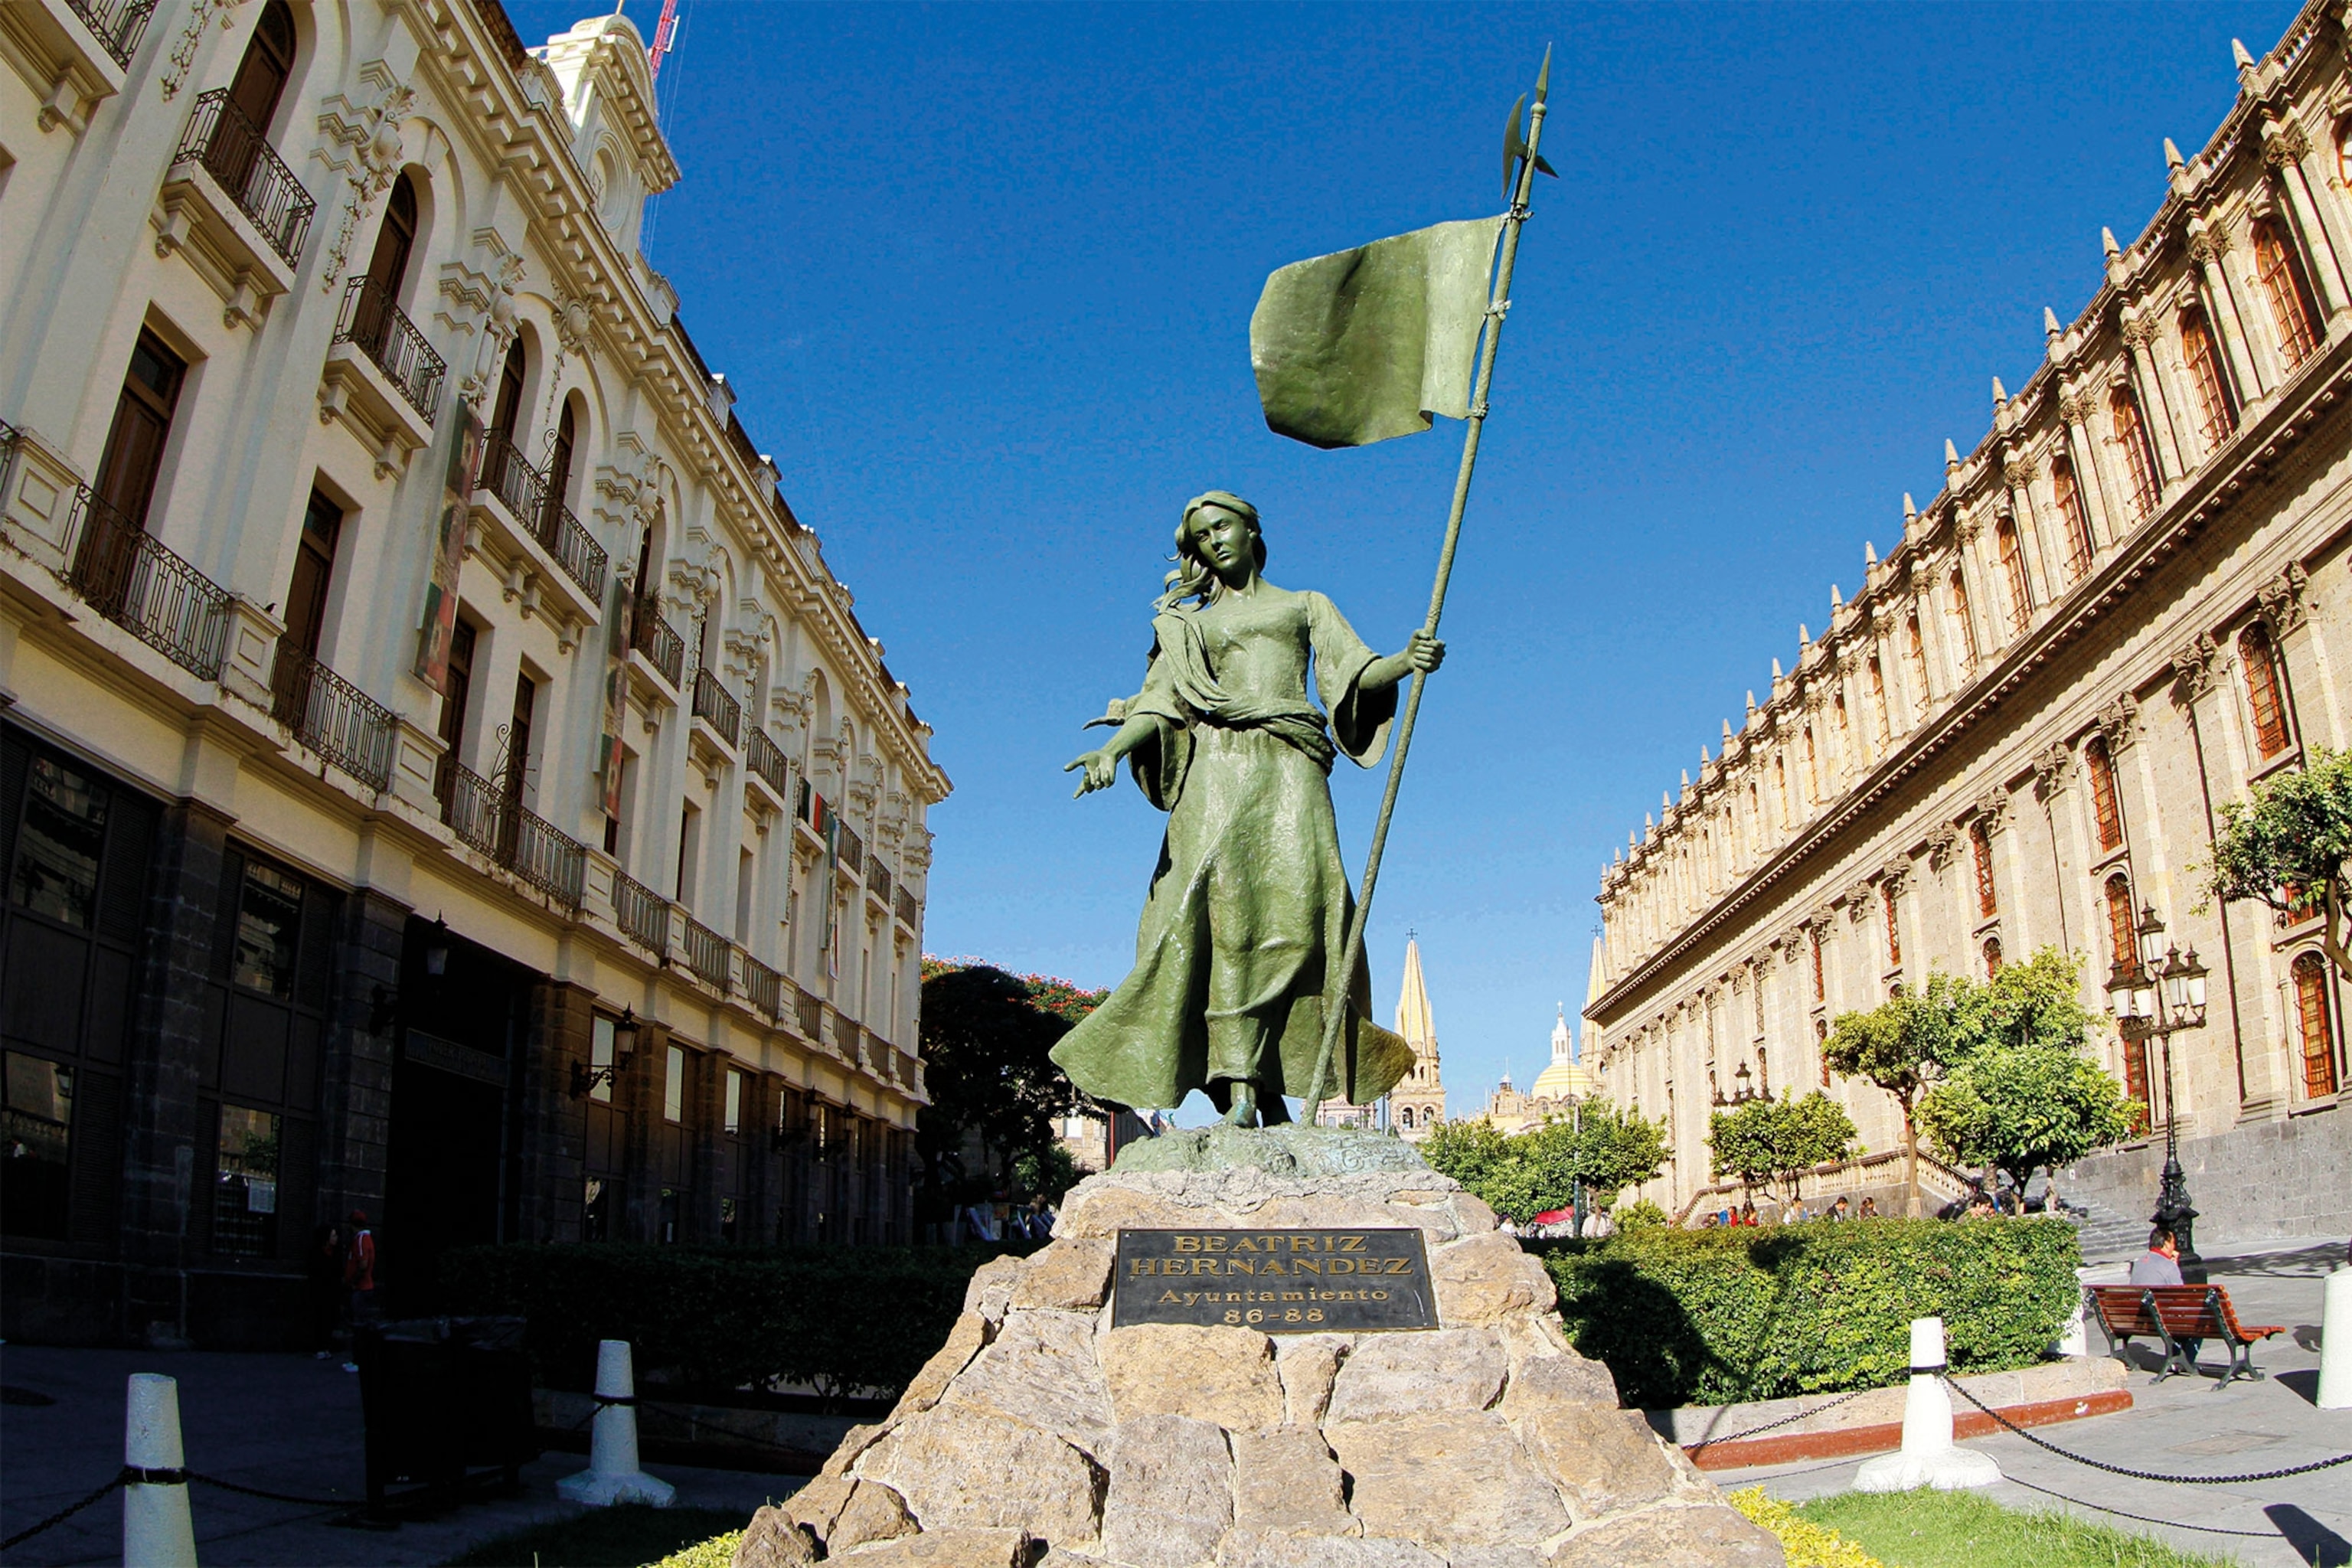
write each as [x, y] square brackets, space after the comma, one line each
[848, 1320]
[1716, 1317]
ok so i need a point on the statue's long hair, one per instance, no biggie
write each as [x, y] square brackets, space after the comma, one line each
[1191, 578]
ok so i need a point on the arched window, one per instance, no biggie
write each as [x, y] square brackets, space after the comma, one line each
[1992, 957]
[558, 459]
[2106, 803]
[1813, 769]
[2217, 407]
[1981, 856]
[507, 408]
[2012, 572]
[2077, 518]
[1968, 621]
[1878, 699]
[2259, 656]
[2289, 293]
[1821, 1048]
[1821, 984]
[2121, 943]
[2139, 452]
[2317, 1018]
[1914, 649]
[1837, 706]
[1404, 1117]
[260, 79]
[1894, 925]
[1780, 786]
[388, 266]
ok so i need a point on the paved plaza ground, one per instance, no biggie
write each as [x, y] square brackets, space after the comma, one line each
[292, 1424]
[2186, 1428]
[282, 1423]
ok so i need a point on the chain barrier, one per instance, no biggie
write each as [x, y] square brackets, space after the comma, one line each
[131, 1475]
[2141, 1517]
[1784, 1421]
[2147, 1475]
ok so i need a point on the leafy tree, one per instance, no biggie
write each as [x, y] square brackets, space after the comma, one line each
[1642, 1216]
[1537, 1171]
[1474, 1152]
[1767, 1140]
[2020, 1108]
[2287, 846]
[2022, 1094]
[1047, 1173]
[1903, 1046]
[985, 1037]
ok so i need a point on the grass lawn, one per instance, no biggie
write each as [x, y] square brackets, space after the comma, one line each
[630, 1535]
[1960, 1529]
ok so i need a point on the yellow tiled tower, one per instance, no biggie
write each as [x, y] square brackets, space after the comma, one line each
[1418, 1103]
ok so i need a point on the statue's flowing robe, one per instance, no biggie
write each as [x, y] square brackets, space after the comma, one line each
[1248, 911]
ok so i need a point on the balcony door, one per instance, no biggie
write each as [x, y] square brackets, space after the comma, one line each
[306, 608]
[107, 555]
[387, 269]
[253, 96]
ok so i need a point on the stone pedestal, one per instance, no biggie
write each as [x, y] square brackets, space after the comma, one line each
[1043, 1432]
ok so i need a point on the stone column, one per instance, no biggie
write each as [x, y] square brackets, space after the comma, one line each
[2074, 407]
[550, 1169]
[2287, 151]
[2241, 985]
[355, 1078]
[2207, 246]
[636, 1091]
[2158, 407]
[162, 1068]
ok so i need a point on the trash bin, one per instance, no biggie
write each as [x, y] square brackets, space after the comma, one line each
[447, 1404]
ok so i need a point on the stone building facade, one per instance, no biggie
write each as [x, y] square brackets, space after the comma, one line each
[2120, 613]
[415, 689]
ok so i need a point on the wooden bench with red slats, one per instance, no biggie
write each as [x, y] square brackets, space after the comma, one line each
[2179, 1316]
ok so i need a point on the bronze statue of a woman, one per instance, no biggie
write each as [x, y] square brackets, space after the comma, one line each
[1248, 911]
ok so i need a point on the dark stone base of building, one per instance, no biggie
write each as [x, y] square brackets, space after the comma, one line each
[2260, 1181]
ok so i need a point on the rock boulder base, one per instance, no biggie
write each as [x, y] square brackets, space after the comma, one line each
[1043, 1434]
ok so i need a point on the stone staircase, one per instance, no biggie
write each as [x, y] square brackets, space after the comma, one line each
[2105, 1235]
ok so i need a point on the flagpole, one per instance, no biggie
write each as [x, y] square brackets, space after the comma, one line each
[1498, 304]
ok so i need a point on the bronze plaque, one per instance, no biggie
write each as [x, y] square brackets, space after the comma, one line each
[1277, 1281]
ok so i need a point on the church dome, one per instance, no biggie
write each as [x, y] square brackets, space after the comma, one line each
[1562, 1080]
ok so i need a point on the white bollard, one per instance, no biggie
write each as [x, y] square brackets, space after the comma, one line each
[612, 1475]
[1928, 1458]
[156, 1530]
[2336, 1341]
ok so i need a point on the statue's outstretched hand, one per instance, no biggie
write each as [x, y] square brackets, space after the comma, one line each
[1099, 771]
[1423, 653]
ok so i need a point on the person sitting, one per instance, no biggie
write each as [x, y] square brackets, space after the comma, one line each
[1839, 1209]
[1869, 1209]
[2160, 1265]
[1796, 1212]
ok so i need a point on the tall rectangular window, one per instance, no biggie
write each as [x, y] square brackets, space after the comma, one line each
[2292, 310]
[244, 1183]
[2216, 408]
[1821, 984]
[1894, 925]
[2318, 1028]
[2076, 515]
[59, 843]
[2139, 453]
[36, 1117]
[599, 1057]
[314, 568]
[2106, 805]
[1981, 854]
[2264, 691]
[2012, 570]
[133, 456]
[734, 1122]
[673, 1086]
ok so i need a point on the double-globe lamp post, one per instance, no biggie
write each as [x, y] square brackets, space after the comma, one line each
[2162, 991]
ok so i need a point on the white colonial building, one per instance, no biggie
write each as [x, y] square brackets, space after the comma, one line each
[416, 690]
[2120, 613]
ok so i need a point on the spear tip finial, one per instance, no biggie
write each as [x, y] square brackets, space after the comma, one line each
[2107, 242]
[1543, 77]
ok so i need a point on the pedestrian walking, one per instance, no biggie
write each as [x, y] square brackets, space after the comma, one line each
[325, 1281]
[359, 1275]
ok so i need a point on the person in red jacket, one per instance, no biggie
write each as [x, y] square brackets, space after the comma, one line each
[359, 1272]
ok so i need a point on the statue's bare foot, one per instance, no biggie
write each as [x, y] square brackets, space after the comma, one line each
[1243, 1109]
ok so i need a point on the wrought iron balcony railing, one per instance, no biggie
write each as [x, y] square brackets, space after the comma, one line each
[332, 717]
[654, 637]
[852, 850]
[877, 879]
[117, 25]
[706, 953]
[374, 326]
[238, 156]
[643, 914]
[768, 761]
[129, 577]
[809, 1010]
[905, 907]
[715, 704]
[763, 986]
[509, 474]
[494, 822]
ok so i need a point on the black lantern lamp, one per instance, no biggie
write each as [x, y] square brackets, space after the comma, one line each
[2162, 991]
[585, 1079]
[437, 949]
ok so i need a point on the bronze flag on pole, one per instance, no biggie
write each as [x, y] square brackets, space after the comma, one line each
[1364, 344]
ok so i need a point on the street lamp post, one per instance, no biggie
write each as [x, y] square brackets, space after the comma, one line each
[2158, 993]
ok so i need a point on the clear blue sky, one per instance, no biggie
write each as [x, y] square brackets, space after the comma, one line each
[983, 276]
